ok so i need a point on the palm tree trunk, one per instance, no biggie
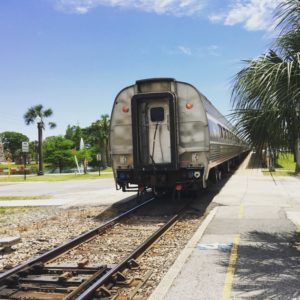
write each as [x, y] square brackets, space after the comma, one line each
[104, 159]
[85, 164]
[297, 155]
[103, 154]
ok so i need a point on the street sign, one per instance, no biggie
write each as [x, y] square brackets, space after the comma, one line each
[25, 147]
[98, 156]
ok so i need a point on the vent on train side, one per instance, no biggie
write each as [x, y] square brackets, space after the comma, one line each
[154, 85]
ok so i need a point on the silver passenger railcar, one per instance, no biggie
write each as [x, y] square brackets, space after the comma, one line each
[166, 135]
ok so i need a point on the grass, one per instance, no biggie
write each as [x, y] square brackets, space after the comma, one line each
[285, 166]
[280, 173]
[13, 165]
[4, 166]
[13, 209]
[285, 161]
[108, 169]
[36, 197]
[54, 177]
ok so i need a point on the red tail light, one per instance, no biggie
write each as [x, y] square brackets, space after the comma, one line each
[179, 187]
[189, 105]
[125, 109]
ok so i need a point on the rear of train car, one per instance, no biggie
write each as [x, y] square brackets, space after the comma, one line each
[165, 135]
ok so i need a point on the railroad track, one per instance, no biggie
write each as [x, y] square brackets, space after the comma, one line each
[70, 271]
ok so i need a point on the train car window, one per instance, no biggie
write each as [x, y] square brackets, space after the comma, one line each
[223, 132]
[157, 114]
[211, 128]
[220, 131]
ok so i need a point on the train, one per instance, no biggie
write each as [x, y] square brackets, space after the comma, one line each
[165, 135]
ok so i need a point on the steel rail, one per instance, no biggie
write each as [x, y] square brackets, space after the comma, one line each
[69, 244]
[87, 294]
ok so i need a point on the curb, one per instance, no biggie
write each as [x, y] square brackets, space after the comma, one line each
[162, 289]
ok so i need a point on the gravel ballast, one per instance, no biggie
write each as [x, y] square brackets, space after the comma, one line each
[42, 228]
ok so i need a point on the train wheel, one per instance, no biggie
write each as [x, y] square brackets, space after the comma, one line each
[176, 195]
[219, 174]
[215, 175]
[227, 167]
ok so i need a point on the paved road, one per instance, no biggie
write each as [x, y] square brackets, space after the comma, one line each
[75, 192]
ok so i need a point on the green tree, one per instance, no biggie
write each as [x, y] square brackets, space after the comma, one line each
[266, 93]
[98, 134]
[58, 152]
[12, 142]
[39, 114]
[74, 133]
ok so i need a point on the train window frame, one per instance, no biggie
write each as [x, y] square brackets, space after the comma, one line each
[157, 114]
[216, 131]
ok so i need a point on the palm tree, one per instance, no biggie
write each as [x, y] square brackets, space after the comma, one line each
[38, 114]
[266, 93]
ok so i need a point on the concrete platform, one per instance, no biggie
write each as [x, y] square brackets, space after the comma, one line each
[244, 248]
[9, 241]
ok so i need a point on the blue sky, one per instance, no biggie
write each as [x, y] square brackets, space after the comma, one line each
[75, 55]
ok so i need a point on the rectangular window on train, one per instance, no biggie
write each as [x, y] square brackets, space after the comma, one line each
[157, 114]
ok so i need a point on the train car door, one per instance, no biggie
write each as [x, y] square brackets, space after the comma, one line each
[159, 132]
[153, 119]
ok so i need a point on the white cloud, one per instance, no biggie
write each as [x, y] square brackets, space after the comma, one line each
[185, 50]
[81, 9]
[172, 7]
[197, 52]
[253, 14]
[214, 50]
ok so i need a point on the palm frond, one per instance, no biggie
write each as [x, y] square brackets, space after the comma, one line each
[288, 15]
[52, 125]
[48, 112]
[37, 111]
[30, 116]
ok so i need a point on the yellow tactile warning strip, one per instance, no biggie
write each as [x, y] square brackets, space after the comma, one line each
[241, 213]
[232, 261]
[231, 269]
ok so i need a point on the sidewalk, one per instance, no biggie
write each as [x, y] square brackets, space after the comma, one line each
[245, 251]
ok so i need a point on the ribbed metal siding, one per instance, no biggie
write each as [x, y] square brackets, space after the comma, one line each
[220, 152]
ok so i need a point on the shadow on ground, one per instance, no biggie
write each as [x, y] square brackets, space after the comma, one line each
[254, 162]
[267, 267]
